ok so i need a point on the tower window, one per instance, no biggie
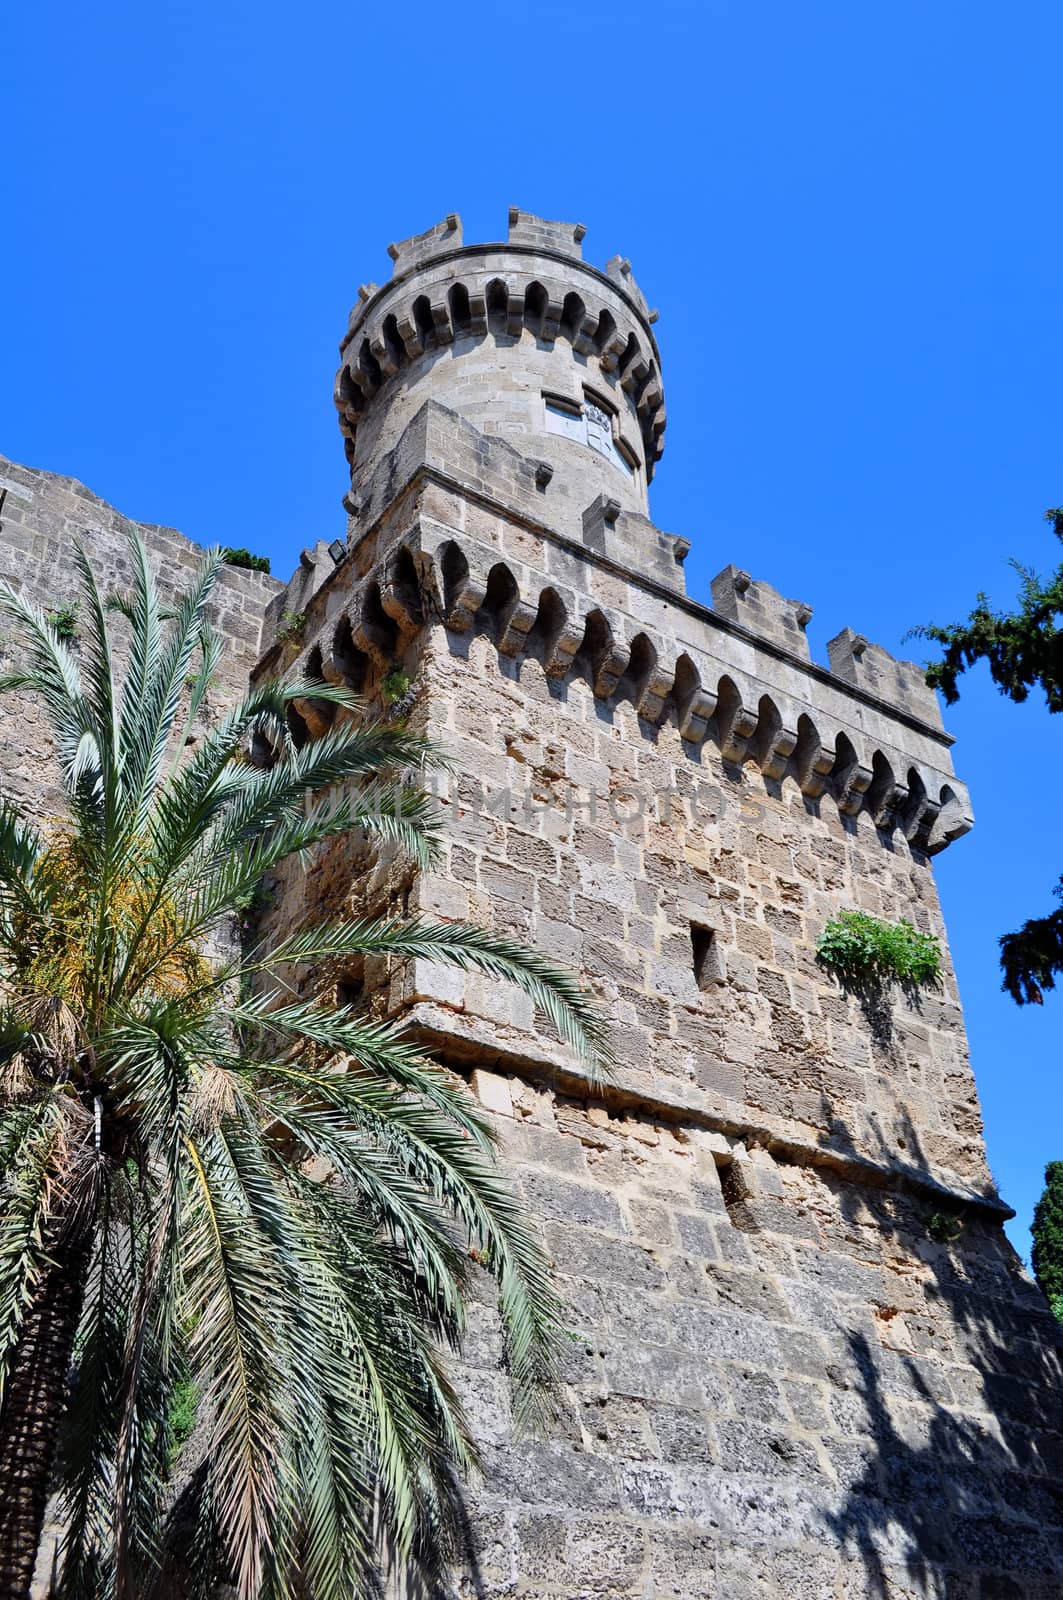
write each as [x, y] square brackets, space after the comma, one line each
[566, 420]
[588, 424]
[600, 434]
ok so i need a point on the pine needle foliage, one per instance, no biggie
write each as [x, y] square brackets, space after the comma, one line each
[273, 1206]
[1047, 1231]
[857, 946]
[1023, 650]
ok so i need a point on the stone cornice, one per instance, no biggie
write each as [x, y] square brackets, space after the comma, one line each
[530, 1058]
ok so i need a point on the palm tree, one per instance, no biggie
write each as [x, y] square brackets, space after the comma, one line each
[216, 1196]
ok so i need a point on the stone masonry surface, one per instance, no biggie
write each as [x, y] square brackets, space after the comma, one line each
[42, 515]
[806, 1362]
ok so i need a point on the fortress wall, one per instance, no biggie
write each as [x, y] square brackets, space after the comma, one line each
[639, 831]
[606, 843]
[41, 517]
[805, 1360]
[825, 1404]
[798, 1368]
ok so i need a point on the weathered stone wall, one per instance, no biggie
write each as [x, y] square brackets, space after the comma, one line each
[626, 832]
[806, 1360]
[41, 517]
[787, 1382]
[607, 847]
[806, 1398]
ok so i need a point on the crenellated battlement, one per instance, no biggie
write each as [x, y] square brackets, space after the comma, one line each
[421, 247]
[528, 229]
[864, 732]
[524, 338]
[761, 609]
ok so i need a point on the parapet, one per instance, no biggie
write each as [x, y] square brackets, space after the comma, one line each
[903, 683]
[619, 269]
[422, 247]
[461, 528]
[525, 228]
[762, 609]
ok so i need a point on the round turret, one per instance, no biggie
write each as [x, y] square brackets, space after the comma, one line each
[524, 340]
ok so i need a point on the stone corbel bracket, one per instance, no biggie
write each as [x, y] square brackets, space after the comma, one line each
[435, 574]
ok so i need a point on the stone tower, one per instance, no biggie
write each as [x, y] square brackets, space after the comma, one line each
[808, 1362]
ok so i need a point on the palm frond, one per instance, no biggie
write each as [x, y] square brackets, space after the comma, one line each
[555, 991]
[101, 691]
[380, 1047]
[149, 1371]
[33, 1174]
[236, 1359]
[190, 801]
[436, 1151]
[166, 662]
[52, 673]
[375, 1360]
[90, 1435]
[20, 851]
[342, 753]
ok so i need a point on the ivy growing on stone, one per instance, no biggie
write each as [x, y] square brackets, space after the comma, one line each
[64, 619]
[858, 947]
[945, 1226]
[394, 685]
[293, 626]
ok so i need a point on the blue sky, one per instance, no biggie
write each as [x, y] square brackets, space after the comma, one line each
[848, 215]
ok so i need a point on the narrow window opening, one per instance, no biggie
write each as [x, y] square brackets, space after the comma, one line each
[709, 968]
[736, 1195]
[349, 990]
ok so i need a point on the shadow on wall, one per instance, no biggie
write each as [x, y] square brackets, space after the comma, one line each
[938, 1491]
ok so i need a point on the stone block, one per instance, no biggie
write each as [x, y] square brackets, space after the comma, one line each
[493, 1092]
[433, 980]
[556, 1198]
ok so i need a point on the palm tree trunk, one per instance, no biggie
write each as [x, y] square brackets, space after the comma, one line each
[32, 1412]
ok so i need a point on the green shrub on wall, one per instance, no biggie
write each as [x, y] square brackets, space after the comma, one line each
[243, 558]
[292, 627]
[64, 619]
[859, 947]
